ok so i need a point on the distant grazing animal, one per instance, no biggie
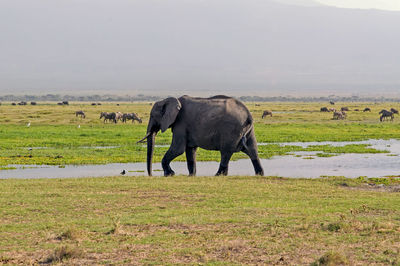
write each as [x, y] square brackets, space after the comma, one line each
[94, 103]
[345, 109]
[108, 116]
[118, 116]
[356, 110]
[65, 102]
[394, 111]
[60, 103]
[332, 103]
[13, 104]
[80, 113]
[367, 109]
[385, 114]
[324, 109]
[98, 103]
[22, 103]
[33, 103]
[265, 113]
[332, 110]
[339, 115]
[131, 116]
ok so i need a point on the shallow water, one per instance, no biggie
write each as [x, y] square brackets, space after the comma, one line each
[299, 164]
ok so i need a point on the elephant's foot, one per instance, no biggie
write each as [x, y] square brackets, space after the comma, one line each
[223, 170]
[257, 167]
[169, 173]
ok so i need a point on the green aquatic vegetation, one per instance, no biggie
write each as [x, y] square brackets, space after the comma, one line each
[54, 137]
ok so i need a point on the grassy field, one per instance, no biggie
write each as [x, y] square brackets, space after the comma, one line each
[201, 220]
[56, 138]
[192, 220]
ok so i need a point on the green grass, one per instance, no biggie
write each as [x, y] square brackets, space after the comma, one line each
[206, 220]
[57, 140]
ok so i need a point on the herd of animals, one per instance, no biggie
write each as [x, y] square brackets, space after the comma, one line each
[113, 116]
[341, 114]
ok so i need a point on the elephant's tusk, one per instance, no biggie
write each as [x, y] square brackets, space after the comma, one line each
[142, 140]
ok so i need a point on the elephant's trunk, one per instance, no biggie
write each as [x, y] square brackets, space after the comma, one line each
[150, 149]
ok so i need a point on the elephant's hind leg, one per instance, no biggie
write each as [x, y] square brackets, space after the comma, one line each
[223, 166]
[191, 160]
[251, 150]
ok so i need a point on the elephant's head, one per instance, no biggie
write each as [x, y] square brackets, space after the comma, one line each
[162, 116]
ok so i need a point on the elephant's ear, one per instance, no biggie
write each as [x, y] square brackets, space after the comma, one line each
[171, 108]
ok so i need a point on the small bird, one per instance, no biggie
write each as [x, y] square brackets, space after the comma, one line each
[123, 172]
[29, 124]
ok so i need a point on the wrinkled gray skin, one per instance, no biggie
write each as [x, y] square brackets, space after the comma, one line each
[217, 123]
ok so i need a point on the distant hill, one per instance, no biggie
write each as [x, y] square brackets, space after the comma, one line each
[174, 46]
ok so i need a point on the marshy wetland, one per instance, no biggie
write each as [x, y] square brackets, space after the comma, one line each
[239, 219]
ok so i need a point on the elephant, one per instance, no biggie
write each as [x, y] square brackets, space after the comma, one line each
[394, 111]
[324, 109]
[265, 113]
[80, 113]
[217, 123]
[131, 116]
[33, 103]
[108, 116]
[386, 114]
[367, 109]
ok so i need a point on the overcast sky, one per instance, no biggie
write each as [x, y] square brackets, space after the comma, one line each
[240, 47]
[379, 4]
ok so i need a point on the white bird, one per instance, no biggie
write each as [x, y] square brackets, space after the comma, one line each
[29, 124]
[79, 126]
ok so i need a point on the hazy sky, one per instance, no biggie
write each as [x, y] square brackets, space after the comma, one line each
[260, 47]
[378, 4]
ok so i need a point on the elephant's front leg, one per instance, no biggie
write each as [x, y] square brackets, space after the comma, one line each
[223, 166]
[191, 160]
[177, 148]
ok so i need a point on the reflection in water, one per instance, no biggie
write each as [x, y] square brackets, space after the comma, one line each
[349, 165]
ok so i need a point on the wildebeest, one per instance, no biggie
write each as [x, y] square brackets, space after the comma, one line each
[94, 103]
[60, 103]
[356, 110]
[131, 116]
[394, 111]
[80, 113]
[108, 116]
[65, 102]
[98, 103]
[33, 103]
[22, 103]
[385, 114]
[367, 109]
[344, 109]
[339, 115]
[332, 103]
[13, 104]
[324, 109]
[265, 113]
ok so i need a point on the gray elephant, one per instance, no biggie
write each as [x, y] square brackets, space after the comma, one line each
[217, 123]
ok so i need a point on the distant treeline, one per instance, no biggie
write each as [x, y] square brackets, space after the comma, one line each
[147, 98]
